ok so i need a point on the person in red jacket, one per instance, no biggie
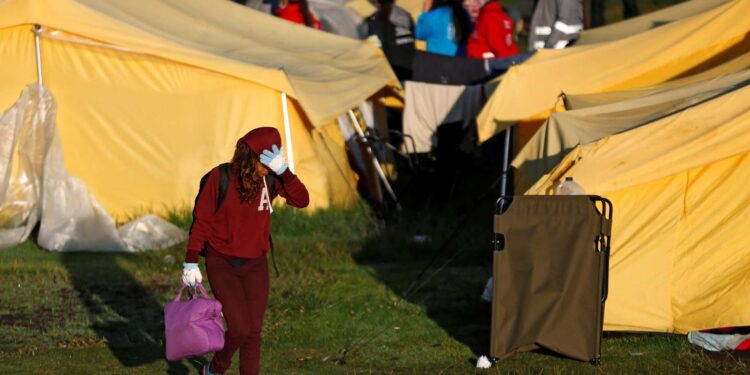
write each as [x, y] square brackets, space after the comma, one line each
[297, 11]
[236, 238]
[493, 35]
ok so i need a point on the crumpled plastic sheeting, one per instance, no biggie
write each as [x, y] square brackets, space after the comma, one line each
[27, 126]
[150, 230]
[71, 217]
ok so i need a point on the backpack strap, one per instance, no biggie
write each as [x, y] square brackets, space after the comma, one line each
[197, 196]
[224, 175]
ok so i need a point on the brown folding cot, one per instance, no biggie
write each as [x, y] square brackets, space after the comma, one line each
[551, 263]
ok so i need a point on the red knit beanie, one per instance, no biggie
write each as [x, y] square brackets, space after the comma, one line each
[262, 138]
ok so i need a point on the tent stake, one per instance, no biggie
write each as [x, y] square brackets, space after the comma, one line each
[506, 161]
[361, 135]
[287, 132]
[37, 33]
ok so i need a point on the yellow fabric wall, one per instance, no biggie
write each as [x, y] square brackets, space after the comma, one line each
[645, 22]
[565, 130]
[680, 251]
[529, 91]
[327, 74]
[17, 63]
[140, 131]
[680, 256]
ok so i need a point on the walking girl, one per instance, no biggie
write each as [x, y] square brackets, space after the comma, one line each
[235, 239]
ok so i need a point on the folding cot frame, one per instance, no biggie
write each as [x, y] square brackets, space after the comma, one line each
[528, 329]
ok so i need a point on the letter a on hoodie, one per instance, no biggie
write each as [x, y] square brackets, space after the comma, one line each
[265, 201]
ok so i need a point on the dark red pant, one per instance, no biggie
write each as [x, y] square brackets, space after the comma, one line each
[243, 293]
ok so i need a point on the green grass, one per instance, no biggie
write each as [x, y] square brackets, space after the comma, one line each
[343, 274]
[341, 284]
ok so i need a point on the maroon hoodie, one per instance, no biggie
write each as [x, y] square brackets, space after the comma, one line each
[240, 229]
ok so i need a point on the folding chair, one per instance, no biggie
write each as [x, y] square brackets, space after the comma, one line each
[551, 264]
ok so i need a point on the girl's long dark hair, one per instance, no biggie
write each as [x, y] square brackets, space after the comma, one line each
[461, 19]
[249, 181]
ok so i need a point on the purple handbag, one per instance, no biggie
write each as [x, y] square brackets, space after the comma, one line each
[193, 327]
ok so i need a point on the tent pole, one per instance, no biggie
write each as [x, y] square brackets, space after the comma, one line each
[287, 132]
[506, 166]
[361, 135]
[37, 33]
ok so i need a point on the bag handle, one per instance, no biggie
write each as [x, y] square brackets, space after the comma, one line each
[198, 286]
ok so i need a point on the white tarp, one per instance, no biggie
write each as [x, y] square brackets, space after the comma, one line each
[25, 140]
[717, 342]
[35, 187]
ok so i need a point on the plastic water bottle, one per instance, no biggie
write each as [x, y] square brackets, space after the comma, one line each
[569, 187]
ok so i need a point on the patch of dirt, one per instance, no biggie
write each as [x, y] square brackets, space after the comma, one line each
[85, 342]
[39, 320]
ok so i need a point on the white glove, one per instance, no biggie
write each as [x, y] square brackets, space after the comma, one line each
[274, 160]
[191, 274]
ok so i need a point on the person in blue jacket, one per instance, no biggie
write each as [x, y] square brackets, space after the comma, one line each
[446, 27]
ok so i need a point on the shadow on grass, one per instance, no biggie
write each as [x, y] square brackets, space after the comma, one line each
[446, 221]
[121, 310]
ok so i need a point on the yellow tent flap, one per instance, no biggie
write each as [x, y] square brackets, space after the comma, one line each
[688, 46]
[146, 106]
[565, 130]
[646, 21]
[680, 252]
[580, 101]
[314, 67]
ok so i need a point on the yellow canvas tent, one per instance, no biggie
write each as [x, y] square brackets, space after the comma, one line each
[563, 131]
[647, 21]
[680, 252]
[153, 93]
[528, 92]
[580, 101]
